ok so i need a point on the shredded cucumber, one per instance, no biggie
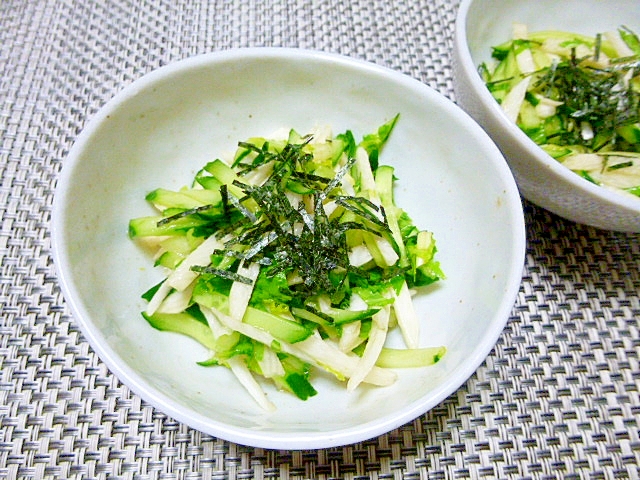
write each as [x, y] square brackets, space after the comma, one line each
[292, 256]
[576, 96]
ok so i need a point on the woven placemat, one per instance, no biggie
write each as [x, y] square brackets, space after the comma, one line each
[556, 398]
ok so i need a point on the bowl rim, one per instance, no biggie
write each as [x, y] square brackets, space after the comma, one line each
[582, 185]
[247, 436]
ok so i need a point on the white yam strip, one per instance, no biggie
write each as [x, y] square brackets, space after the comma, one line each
[347, 184]
[524, 59]
[629, 76]
[586, 130]
[350, 337]
[324, 303]
[240, 327]
[240, 293]
[270, 364]
[622, 178]
[583, 161]
[379, 247]
[381, 250]
[281, 133]
[525, 62]
[425, 239]
[313, 350]
[513, 100]
[152, 242]
[215, 325]
[619, 45]
[377, 337]
[367, 181]
[359, 255]
[177, 301]
[546, 107]
[295, 199]
[294, 279]
[330, 207]
[325, 355]
[158, 298]
[238, 366]
[242, 372]
[407, 317]
[356, 303]
[321, 134]
[387, 251]
[182, 276]
[259, 175]
[519, 31]
[619, 191]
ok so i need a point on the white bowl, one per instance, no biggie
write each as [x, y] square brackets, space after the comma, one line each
[482, 24]
[161, 129]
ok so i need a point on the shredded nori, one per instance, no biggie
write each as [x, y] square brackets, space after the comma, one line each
[290, 238]
[222, 273]
[185, 213]
[600, 96]
[286, 236]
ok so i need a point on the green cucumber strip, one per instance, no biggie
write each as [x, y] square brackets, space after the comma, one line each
[208, 182]
[384, 186]
[341, 317]
[410, 358]
[223, 172]
[185, 324]
[281, 328]
[169, 260]
[148, 226]
[185, 199]
[309, 316]
[228, 345]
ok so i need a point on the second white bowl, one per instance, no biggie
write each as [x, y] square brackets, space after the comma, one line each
[482, 24]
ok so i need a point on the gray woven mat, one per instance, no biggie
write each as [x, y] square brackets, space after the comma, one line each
[556, 398]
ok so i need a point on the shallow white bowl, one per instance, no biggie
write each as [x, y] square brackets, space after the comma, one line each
[482, 24]
[165, 126]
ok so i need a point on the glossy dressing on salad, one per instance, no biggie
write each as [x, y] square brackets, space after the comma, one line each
[289, 257]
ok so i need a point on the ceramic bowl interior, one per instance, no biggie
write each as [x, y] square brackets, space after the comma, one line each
[482, 24]
[162, 128]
